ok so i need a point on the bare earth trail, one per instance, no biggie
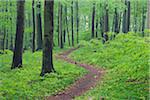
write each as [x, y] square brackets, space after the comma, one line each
[81, 85]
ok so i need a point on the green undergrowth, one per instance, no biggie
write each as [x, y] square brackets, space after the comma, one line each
[26, 84]
[126, 60]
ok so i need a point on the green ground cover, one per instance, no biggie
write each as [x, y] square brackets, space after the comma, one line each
[126, 60]
[25, 83]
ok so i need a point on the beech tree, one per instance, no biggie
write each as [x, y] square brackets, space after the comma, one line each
[106, 24]
[33, 20]
[1, 31]
[17, 56]
[72, 27]
[77, 20]
[60, 26]
[148, 15]
[116, 26]
[66, 19]
[47, 62]
[39, 25]
[93, 20]
[126, 17]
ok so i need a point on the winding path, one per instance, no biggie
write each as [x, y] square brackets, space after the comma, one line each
[83, 84]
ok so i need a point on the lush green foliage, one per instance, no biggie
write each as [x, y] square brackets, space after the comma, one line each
[126, 59]
[25, 83]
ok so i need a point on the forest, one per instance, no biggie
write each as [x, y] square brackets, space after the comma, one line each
[74, 49]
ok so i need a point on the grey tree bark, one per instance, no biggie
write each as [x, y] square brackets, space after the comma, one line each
[18, 50]
[47, 62]
[39, 26]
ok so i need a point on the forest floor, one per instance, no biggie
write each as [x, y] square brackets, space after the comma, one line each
[81, 85]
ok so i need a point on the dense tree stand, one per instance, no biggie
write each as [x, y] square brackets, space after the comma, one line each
[47, 63]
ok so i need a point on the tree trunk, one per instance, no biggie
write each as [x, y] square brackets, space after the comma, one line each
[68, 35]
[72, 23]
[64, 25]
[96, 27]
[4, 37]
[77, 16]
[11, 29]
[106, 19]
[93, 19]
[17, 57]
[113, 24]
[116, 28]
[124, 21]
[135, 17]
[6, 47]
[1, 32]
[64, 33]
[39, 26]
[106, 24]
[119, 24]
[128, 16]
[33, 19]
[47, 62]
[58, 22]
[148, 15]
[143, 21]
[102, 26]
[60, 26]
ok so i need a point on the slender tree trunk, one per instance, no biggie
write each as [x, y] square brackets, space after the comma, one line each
[33, 19]
[64, 25]
[135, 17]
[47, 62]
[39, 26]
[96, 27]
[7, 40]
[119, 24]
[6, 32]
[93, 19]
[11, 29]
[77, 16]
[64, 33]
[60, 26]
[124, 22]
[72, 23]
[17, 57]
[148, 15]
[102, 26]
[1, 32]
[106, 24]
[128, 16]
[116, 27]
[106, 20]
[68, 35]
[113, 24]
[140, 23]
[58, 22]
[143, 21]
[4, 37]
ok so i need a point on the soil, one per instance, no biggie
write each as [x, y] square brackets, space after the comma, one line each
[81, 85]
